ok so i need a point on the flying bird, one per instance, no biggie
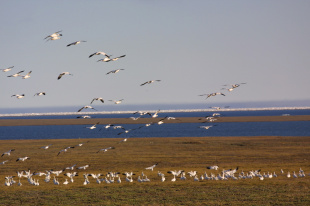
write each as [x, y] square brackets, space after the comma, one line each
[117, 101]
[84, 116]
[97, 99]
[93, 126]
[7, 69]
[8, 152]
[45, 147]
[64, 150]
[86, 107]
[114, 71]
[151, 167]
[26, 76]
[150, 82]
[39, 94]
[64, 73]
[54, 35]
[215, 167]
[2, 163]
[106, 149]
[17, 74]
[75, 43]
[22, 159]
[98, 53]
[116, 58]
[18, 96]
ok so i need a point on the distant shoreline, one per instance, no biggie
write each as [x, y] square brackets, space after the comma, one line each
[162, 111]
[38, 122]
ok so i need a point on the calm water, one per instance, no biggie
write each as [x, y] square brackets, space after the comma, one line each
[297, 128]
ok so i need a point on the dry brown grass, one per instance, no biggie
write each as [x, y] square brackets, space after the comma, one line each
[188, 153]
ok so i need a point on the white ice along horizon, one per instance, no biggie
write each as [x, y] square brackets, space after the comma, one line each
[162, 111]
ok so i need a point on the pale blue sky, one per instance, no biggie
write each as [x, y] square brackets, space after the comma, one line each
[194, 47]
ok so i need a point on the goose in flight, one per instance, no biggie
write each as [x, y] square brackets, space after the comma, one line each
[97, 99]
[70, 168]
[2, 163]
[75, 43]
[93, 126]
[106, 149]
[64, 150]
[45, 147]
[215, 167]
[98, 53]
[18, 96]
[8, 152]
[116, 58]
[117, 101]
[114, 71]
[86, 107]
[155, 114]
[82, 167]
[22, 159]
[26, 76]
[150, 82]
[16, 74]
[54, 35]
[175, 173]
[63, 73]
[106, 59]
[84, 117]
[7, 69]
[39, 94]
[151, 167]
[206, 127]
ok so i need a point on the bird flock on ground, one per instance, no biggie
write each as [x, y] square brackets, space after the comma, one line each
[66, 175]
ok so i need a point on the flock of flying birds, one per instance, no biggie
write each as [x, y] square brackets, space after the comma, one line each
[56, 36]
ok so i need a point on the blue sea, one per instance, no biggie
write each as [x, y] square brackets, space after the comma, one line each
[293, 128]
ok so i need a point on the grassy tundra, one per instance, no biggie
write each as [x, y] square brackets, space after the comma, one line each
[249, 153]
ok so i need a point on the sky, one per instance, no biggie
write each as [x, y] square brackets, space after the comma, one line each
[193, 47]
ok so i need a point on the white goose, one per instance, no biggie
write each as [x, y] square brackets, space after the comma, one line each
[100, 53]
[86, 107]
[117, 101]
[93, 126]
[114, 71]
[26, 76]
[151, 167]
[7, 69]
[62, 74]
[56, 34]
[8, 152]
[16, 74]
[149, 82]
[18, 96]
[97, 99]
[75, 43]
[39, 94]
